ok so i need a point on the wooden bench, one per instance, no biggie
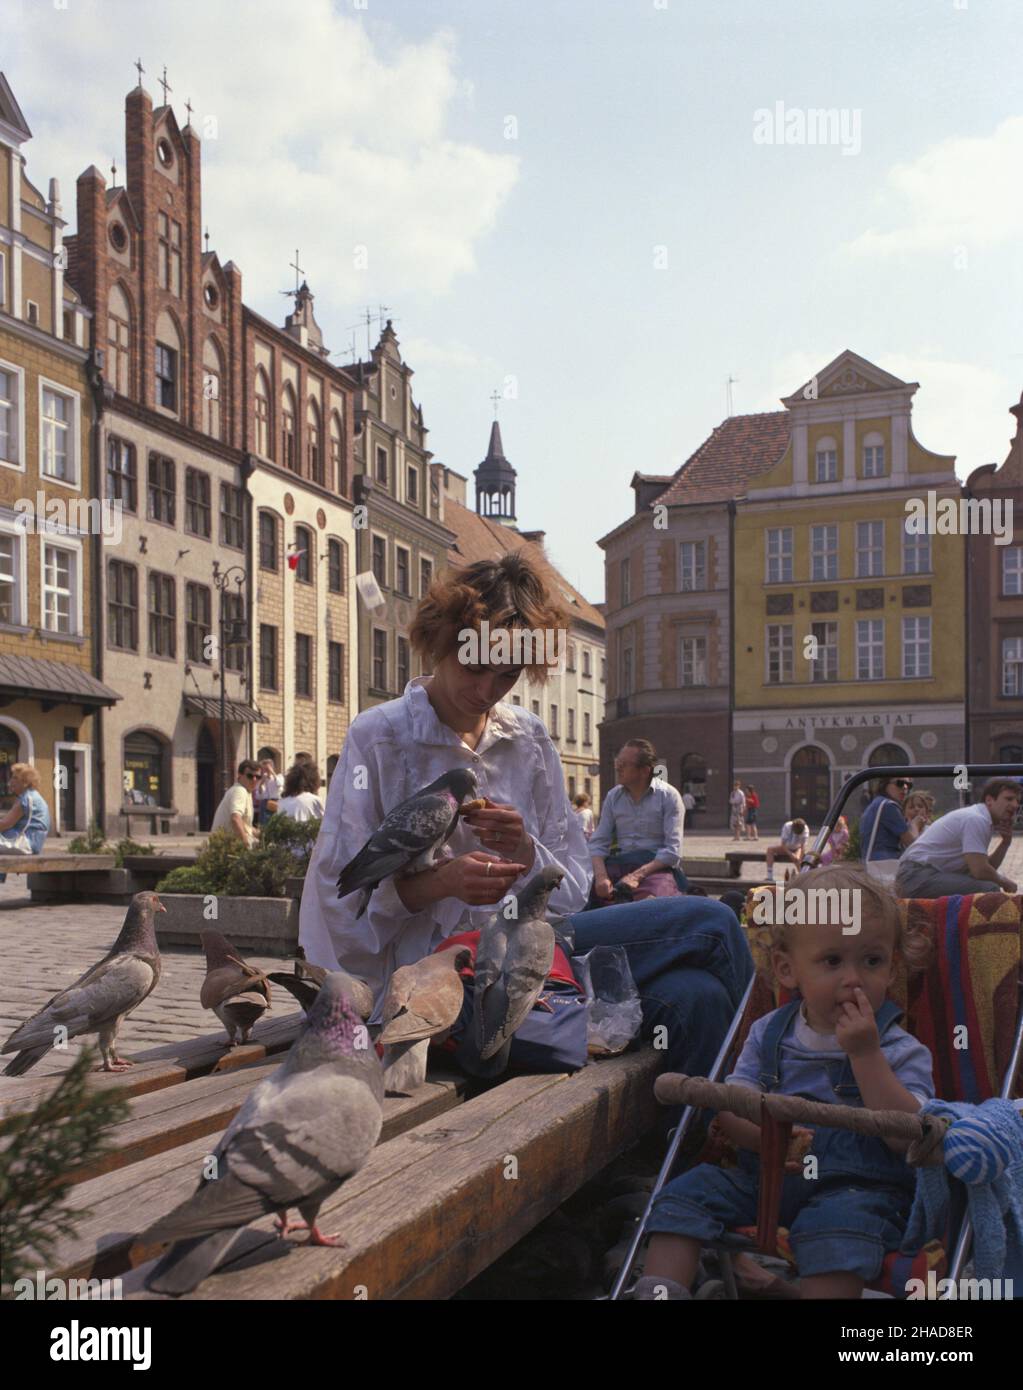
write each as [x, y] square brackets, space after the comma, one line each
[153, 813]
[56, 863]
[737, 857]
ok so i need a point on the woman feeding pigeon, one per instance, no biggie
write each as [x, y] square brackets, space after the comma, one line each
[415, 869]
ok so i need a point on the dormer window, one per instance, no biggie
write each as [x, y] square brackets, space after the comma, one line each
[826, 461]
[873, 457]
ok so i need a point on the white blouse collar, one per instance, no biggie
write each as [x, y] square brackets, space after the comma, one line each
[427, 728]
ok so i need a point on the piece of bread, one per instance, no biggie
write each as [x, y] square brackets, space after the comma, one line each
[467, 809]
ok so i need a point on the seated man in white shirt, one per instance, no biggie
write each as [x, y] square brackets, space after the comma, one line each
[795, 836]
[235, 810]
[644, 816]
[951, 856]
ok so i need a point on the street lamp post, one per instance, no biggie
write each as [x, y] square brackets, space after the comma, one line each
[222, 580]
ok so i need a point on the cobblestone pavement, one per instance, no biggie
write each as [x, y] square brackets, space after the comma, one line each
[45, 947]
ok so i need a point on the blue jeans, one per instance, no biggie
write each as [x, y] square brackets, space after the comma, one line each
[691, 965]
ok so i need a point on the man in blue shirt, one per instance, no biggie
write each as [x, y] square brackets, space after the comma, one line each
[644, 815]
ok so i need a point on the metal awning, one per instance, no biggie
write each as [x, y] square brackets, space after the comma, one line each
[234, 710]
[52, 683]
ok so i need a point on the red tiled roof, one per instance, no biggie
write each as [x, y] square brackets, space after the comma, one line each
[479, 538]
[738, 449]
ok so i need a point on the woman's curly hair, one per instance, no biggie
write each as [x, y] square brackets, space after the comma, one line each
[509, 593]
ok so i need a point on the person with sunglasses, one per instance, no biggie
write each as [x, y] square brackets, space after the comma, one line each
[892, 833]
[235, 812]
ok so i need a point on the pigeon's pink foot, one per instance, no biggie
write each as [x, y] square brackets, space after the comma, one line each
[284, 1225]
[116, 1064]
[316, 1237]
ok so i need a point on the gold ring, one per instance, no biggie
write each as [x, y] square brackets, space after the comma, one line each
[488, 867]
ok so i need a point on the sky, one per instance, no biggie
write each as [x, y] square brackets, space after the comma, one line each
[599, 209]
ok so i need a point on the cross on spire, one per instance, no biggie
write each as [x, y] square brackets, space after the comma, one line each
[495, 399]
[165, 84]
[113, 174]
[188, 108]
[141, 69]
[206, 234]
[297, 268]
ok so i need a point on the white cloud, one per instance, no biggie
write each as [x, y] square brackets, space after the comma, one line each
[421, 353]
[961, 192]
[329, 134]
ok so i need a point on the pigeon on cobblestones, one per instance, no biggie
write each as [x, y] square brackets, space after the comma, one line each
[237, 993]
[301, 1133]
[101, 998]
[513, 960]
[410, 836]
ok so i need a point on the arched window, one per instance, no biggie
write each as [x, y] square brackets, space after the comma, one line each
[888, 755]
[118, 364]
[263, 431]
[826, 460]
[1011, 753]
[314, 448]
[10, 753]
[810, 790]
[304, 550]
[168, 364]
[288, 427]
[337, 471]
[212, 377]
[144, 780]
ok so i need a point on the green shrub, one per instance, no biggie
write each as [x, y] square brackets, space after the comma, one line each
[297, 837]
[129, 846]
[261, 873]
[187, 879]
[92, 842]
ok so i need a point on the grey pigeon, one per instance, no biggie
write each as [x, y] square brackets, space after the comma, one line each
[420, 1001]
[410, 836]
[301, 1133]
[98, 1001]
[513, 960]
[307, 978]
[237, 993]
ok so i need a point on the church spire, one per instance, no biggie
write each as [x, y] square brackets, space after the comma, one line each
[495, 482]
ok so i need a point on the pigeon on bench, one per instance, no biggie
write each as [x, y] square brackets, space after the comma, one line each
[410, 837]
[101, 998]
[420, 1001]
[301, 1133]
[237, 993]
[307, 978]
[513, 959]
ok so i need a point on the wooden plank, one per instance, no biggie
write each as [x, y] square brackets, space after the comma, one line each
[56, 863]
[167, 1065]
[431, 1210]
[120, 1203]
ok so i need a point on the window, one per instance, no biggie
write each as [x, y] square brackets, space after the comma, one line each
[337, 470]
[587, 729]
[570, 714]
[118, 361]
[586, 663]
[626, 584]
[212, 375]
[197, 502]
[825, 666]
[3, 292]
[379, 659]
[288, 428]
[10, 415]
[536, 707]
[313, 444]
[303, 664]
[401, 580]
[122, 606]
[823, 552]
[166, 377]
[916, 551]
[304, 550]
[268, 541]
[779, 555]
[336, 672]
[378, 563]
[402, 672]
[412, 486]
[381, 465]
[267, 657]
[553, 726]
[916, 647]
[58, 435]
[870, 649]
[425, 576]
[1012, 665]
[779, 653]
[234, 631]
[826, 462]
[571, 789]
[162, 615]
[516, 699]
[570, 657]
[262, 400]
[869, 548]
[197, 623]
[11, 585]
[168, 262]
[232, 516]
[692, 566]
[873, 458]
[1012, 570]
[693, 665]
[33, 311]
[335, 567]
[60, 589]
[603, 669]
[122, 473]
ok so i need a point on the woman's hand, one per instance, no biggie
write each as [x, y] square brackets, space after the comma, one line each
[603, 887]
[632, 880]
[479, 879]
[502, 829]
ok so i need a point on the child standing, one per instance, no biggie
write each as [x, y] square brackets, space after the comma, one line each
[837, 1042]
[752, 807]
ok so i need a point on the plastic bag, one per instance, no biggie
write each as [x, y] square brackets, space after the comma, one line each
[614, 1012]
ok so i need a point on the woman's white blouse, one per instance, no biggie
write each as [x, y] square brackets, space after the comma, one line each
[391, 752]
